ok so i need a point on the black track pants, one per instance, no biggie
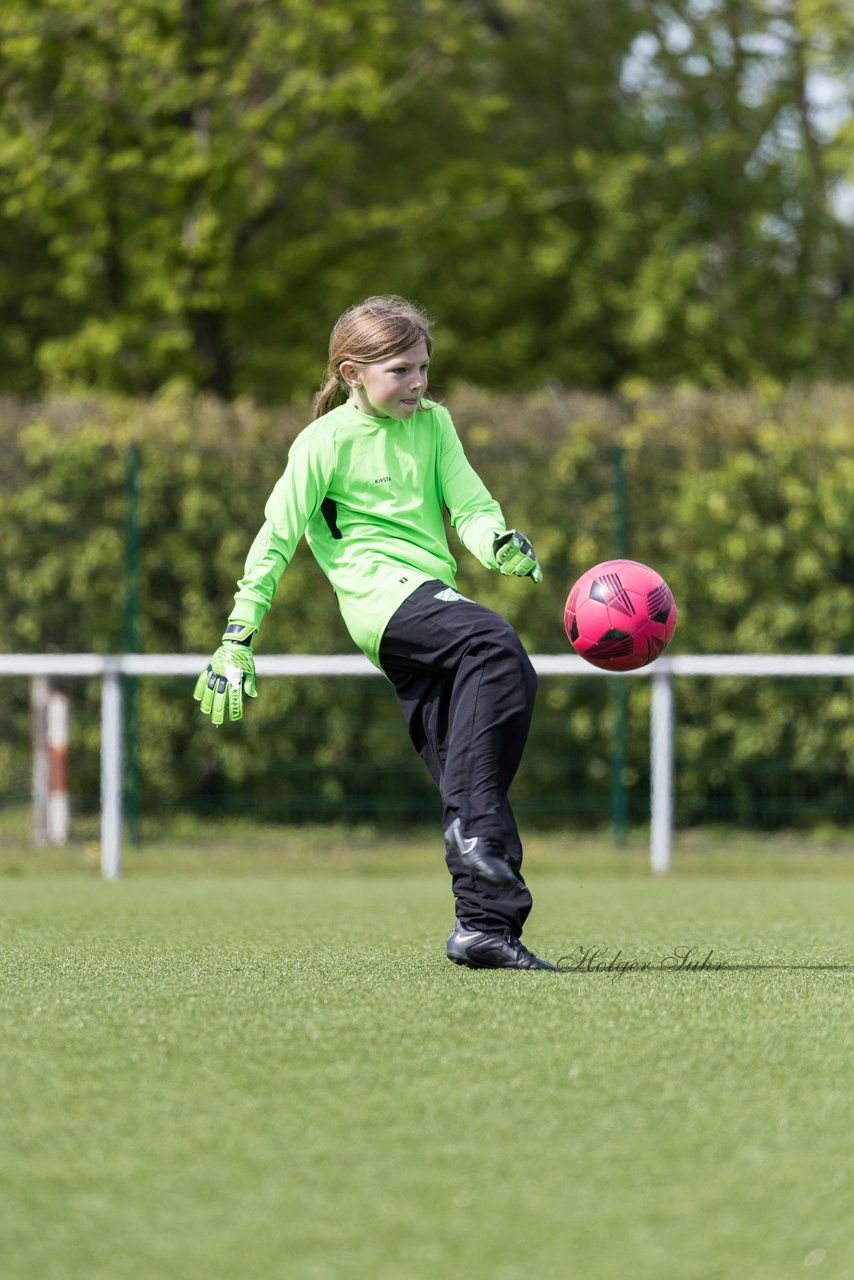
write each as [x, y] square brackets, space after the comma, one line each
[466, 688]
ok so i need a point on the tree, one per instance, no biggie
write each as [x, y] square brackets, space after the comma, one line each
[174, 169]
[738, 276]
[583, 193]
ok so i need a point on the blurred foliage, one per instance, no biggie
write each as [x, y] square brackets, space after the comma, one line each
[744, 501]
[587, 193]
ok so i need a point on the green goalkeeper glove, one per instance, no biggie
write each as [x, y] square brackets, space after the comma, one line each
[516, 556]
[229, 674]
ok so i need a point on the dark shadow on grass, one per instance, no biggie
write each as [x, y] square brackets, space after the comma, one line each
[618, 966]
[725, 967]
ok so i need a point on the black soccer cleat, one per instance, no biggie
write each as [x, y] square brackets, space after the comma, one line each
[475, 858]
[477, 949]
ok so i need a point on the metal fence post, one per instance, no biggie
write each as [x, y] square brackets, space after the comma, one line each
[133, 553]
[111, 771]
[39, 697]
[661, 771]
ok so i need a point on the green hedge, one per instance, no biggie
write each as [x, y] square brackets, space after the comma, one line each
[744, 501]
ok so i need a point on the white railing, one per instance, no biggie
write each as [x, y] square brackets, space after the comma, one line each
[111, 667]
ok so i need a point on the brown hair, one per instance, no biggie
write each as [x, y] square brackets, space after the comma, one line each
[371, 330]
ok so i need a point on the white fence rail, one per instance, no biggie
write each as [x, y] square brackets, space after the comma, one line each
[111, 667]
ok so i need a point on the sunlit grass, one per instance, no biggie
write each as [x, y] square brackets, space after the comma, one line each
[282, 1076]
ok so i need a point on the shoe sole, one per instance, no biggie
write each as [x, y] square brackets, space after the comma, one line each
[467, 964]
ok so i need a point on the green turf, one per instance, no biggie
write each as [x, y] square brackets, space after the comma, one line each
[231, 1079]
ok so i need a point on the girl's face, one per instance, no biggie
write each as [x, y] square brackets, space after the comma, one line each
[390, 388]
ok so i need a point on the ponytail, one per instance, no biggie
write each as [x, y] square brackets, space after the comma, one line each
[325, 398]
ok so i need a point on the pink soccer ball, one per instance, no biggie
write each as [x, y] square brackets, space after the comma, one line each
[620, 615]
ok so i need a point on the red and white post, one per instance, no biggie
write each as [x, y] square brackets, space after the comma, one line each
[51, 806]
[58, 806]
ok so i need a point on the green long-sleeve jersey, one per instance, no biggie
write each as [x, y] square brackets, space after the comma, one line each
[368, 493]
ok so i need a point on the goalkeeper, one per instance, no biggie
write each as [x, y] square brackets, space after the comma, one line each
[366, 483]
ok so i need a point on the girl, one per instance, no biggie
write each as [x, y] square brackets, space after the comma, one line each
[366, 483]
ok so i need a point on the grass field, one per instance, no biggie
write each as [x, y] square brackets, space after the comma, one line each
[280, 1076]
